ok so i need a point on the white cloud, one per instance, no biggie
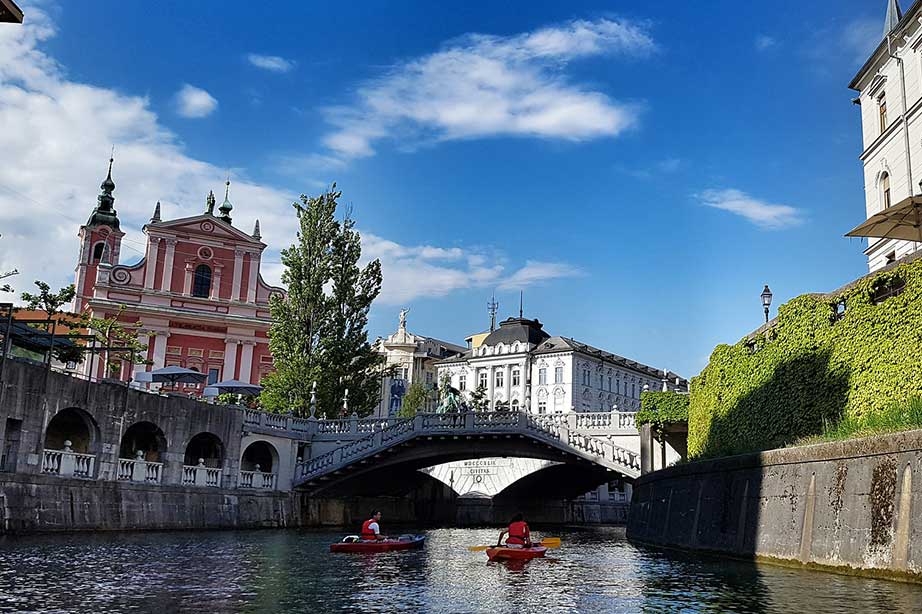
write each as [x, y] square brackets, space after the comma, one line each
[194, 102]
[535, 272]
[761, 213]
[480, 86]
[859, 37]
[764, 43]
[55, 136]
[271, 63]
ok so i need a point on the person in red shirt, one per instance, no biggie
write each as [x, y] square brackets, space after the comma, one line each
[371, 531]
[519, 534]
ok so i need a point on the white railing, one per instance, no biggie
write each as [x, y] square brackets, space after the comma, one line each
[137, 470]
[258, 479]
[200, 475]
[68, 464]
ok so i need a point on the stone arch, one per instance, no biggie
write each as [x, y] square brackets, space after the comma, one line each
[144, 437]
[73, 425]
[261, 454]
[206, 446]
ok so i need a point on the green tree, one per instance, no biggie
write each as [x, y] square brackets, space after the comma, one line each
[479, 401]
[48, 301]
[350, 361]
[113, 332]
[414, 400]
[298, 317]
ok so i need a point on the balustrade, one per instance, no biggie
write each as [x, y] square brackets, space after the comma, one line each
[258, 479]
[200, 475]
[139, 470]
[68, 464]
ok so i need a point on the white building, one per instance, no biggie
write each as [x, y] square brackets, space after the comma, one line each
[412, 359]
[520, 366]
[890, 96]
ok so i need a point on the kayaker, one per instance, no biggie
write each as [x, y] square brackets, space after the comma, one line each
[371, 531]
[519, 534]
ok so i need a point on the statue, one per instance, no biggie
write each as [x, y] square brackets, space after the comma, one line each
[451, 401]
[403, 317]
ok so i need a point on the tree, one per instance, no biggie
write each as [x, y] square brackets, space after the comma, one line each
[112, 332]
[479, 401]
[48, 301]
[297, 317]
[350, 360]
[414, 400]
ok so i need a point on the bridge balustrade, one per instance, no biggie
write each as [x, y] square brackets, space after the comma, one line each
[68, 464]
[139, 470]
[200, 475]
[258, 479]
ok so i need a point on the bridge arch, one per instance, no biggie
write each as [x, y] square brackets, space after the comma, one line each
[145, 437]
[260, 455]
[73, 425]
[206, 446]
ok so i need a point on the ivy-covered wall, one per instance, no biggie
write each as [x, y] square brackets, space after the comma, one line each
[848, 353]
[661, 409]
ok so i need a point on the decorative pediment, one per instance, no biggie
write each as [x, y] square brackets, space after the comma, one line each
[204, 226]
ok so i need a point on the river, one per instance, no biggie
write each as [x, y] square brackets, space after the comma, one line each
[594, 571]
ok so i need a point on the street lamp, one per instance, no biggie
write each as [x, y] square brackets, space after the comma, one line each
[766, 301]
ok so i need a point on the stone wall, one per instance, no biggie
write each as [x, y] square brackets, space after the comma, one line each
[851, 505]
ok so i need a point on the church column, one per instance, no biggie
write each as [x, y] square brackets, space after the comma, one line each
[238, 274]
[251, 281]
[168, 265]
[230, 359]
[216, 282]
[246, 361]
[187, 280]
[153, 246]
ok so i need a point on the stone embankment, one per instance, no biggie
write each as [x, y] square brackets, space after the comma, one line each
[853, 506]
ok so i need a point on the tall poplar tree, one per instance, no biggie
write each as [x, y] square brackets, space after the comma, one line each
[297, 318]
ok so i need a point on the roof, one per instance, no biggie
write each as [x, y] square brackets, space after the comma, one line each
[881, 49]
[517, 329]
[9, 12]
[462, 357]
[451, 348]
[566, 344]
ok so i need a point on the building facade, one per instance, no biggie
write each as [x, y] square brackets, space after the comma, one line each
[412, 359]
[522, 367]
[889, 87]
[197, 292]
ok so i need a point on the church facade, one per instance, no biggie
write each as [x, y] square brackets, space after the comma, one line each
[889, 87]
[197, 292]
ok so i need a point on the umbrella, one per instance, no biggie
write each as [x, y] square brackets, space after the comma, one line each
[172, 375]
[901, 221]
[232, 386]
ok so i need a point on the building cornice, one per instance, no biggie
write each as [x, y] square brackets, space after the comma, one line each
[222, 319]
[881, 51]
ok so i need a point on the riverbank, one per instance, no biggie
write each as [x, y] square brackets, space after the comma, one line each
[848, 506]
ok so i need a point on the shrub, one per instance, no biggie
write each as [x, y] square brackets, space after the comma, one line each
[661, 409]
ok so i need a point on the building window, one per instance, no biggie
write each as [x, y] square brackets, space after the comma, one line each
[885, 190]
[101, 252]
[601, 383]
[558, 375]
[882, 108]
[542, 377]
[201, 281]
[542, 407]
[429, 377]
[462, 382]
[482, 379]
[891, 258]
[515, 405]
[609, 383]
[499, 379]
[212, 376]
[515, 377]
[634, 390]
[403, 372]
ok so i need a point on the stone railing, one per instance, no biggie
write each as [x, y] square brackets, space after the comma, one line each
[258, 479]
[277, 422]
[67, 463]
[200, 475]
[139, 470]
[561, 429]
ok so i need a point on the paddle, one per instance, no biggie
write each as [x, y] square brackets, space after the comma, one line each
[547, 542]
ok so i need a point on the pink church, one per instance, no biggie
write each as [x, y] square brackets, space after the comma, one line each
[197, 291]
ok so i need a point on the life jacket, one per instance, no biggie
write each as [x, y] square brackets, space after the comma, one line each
[367, 531]
[518, 533]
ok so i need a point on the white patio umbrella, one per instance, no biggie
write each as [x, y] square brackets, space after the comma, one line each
[901, 221]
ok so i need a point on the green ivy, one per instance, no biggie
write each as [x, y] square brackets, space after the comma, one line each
[826, 358]
[661, 409]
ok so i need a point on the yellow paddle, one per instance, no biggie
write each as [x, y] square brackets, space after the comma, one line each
[547, 542]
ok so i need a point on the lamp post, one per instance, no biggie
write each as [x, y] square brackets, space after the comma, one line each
[766, 301]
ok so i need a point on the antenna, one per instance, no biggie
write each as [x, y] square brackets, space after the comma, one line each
[521, 304]
[492, 308]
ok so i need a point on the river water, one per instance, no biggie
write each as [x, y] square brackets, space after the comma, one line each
[595, 571]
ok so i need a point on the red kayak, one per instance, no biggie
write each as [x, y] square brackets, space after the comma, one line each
[505, 553]
[353, 543]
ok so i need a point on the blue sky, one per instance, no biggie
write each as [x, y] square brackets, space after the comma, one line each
[639, 170]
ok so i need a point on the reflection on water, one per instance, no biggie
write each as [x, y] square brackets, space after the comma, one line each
[595, 570]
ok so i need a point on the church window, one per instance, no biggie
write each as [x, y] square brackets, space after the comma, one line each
[882, 111]
[201, 281]
[885, 190]
[558, 375]
[462, 382]
[500, 376]
[542, 377]
[101, 252]
[516, 378]
[212, 376]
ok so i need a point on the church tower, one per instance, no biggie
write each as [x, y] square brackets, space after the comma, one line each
[100, 241]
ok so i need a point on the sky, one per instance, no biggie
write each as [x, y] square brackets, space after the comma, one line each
[637, 171]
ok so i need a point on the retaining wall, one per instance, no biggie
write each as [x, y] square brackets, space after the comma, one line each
[854, 505]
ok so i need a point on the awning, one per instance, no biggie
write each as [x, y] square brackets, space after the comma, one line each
[901, 221]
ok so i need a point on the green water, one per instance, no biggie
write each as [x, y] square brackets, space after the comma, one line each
[595, 570]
